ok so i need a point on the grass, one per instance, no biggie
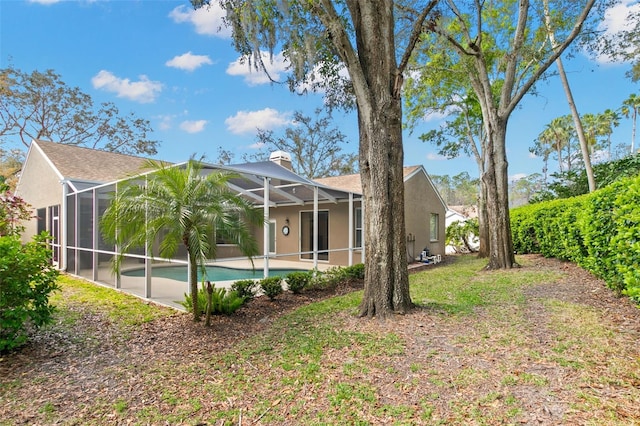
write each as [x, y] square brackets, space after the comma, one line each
[122, 309]
[470, 355]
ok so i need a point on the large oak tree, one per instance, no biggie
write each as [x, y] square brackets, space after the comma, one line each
[319, 38]
[39, 105]
[501, 48]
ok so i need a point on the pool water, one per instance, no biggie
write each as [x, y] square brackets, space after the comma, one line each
[214, 273]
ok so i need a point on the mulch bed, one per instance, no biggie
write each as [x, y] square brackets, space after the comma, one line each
[73, 372]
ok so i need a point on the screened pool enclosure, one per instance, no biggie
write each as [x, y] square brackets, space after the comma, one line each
[307, 225]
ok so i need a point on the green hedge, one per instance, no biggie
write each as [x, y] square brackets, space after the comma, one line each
[599, 231]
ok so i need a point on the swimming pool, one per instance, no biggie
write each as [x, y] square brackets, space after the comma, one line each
[214, 273]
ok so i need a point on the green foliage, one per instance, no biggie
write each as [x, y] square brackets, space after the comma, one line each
[26, 281]
[574, 182]
[297, 281]
[40, 103]
[175, 206]
[123, 310]
[245, 288]
[223, 301]
[13, 211]
[599, 231]
[271, 286]
[354, 272]
[459, 234]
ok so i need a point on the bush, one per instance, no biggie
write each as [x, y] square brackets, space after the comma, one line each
[223, 301]
[271, 286]
[297, 281]
[245, 288]
[27, 279]
[328, 279]
[355, 272]
[598, 231]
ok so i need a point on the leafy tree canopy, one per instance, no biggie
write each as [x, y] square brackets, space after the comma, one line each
[316, 148]
[574, 182]
[41, 106]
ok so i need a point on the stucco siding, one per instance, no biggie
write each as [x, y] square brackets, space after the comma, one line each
[292, 243]
[421, 200]
[40, 186]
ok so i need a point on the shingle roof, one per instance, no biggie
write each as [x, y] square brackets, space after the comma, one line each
[86, 164]
[352, 183]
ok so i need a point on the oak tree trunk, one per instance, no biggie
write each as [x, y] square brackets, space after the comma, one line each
[496, 178]
[386, 288]
[483, 222]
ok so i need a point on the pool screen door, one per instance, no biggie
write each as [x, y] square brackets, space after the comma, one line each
[306, 235]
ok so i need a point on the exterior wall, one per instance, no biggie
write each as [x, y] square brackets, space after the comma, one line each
[40, 186]
[291, 243]
[421, 199]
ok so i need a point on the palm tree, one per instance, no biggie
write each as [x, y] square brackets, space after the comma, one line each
[180, 205]
[550, 22]
[544, 147]
[630, 107]
[610, 119]
[557, 134]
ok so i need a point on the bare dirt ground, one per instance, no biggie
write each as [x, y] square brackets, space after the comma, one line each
[60, 375]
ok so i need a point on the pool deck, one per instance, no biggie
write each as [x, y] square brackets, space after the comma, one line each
[168, 292]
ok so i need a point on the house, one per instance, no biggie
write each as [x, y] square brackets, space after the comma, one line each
[461, 214]
[312, 223]
[424, 209]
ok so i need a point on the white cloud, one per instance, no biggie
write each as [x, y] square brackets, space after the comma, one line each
[435, 157]
[275, 66]
[206, 20]
[316, 80]
[143, 91]
[45, 2]
[193, 126]
[165, 122]
[616, 20]
[257, 145]
[517, 177]
[250, 121]
[189, 61]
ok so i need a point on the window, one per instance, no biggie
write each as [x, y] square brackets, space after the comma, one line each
[358, 228]
[42, 220]
[433, 227]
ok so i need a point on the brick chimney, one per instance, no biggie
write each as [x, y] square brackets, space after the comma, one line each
[282, 158]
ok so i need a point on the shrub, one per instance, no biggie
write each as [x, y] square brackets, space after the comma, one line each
[271, 286]
[245, 288]
[223, 301]
[328, 279]
[297, 281]
[27, 279]
[598, 231]
[355, 272]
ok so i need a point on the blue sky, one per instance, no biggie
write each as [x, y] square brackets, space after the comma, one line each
[171, 65]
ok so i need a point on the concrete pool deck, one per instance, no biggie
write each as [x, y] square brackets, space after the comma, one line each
[169, 292]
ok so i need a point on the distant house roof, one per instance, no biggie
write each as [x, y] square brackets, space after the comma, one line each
[352, 183]
[86, 164]
[469, 212]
